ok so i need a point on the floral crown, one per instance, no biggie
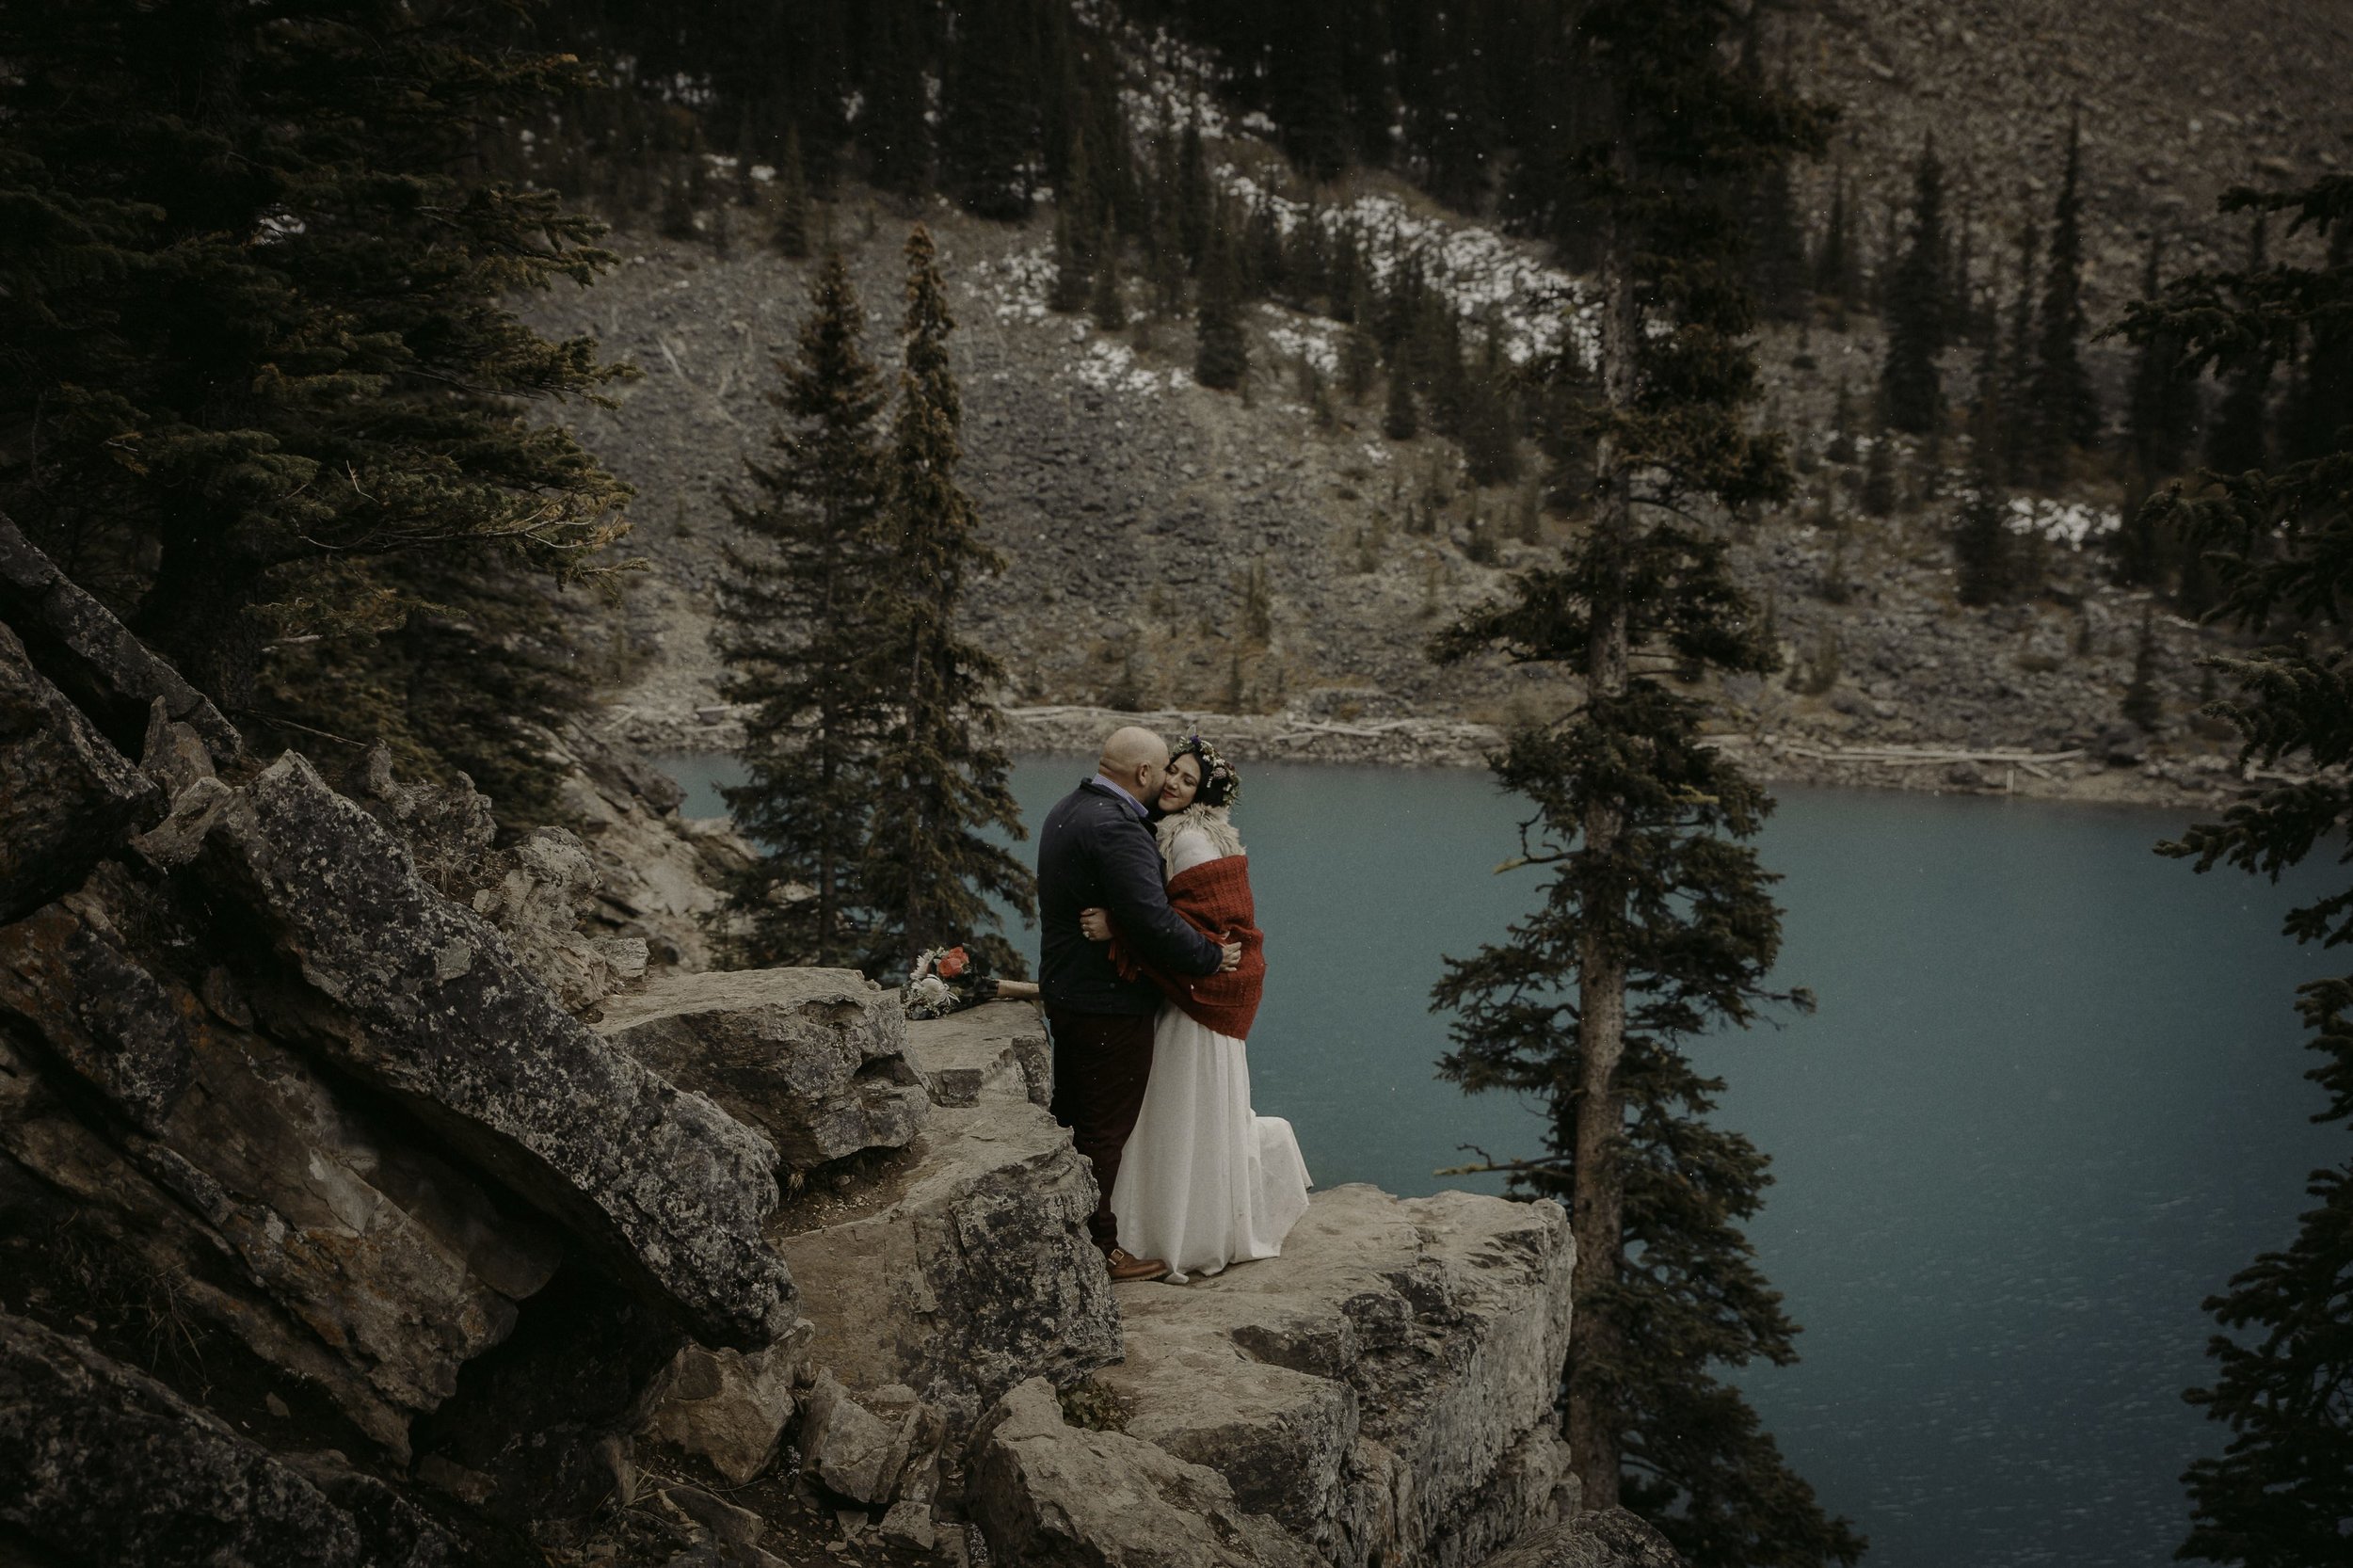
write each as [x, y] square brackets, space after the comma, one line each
[1220, 784]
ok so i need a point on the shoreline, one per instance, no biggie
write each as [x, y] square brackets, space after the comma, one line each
[2203, 781]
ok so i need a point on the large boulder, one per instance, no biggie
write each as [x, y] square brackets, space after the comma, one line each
[102, 669]
[67, 795]
[103, 1465]
[998, 1047]
[398, 1263]
[727, 1408]
[1385, 1389]
[967, 1269]
[814, 1058]
[1048, 1495]
[421, 999]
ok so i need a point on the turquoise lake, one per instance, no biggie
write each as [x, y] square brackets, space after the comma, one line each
[2053, 1099]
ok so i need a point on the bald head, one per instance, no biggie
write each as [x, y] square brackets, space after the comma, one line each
[1135, 759]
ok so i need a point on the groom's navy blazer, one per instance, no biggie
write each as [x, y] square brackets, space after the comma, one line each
[1096, 852]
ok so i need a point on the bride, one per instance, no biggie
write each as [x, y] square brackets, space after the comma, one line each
[1203, 1182]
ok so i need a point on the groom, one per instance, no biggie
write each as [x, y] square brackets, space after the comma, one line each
[1097, 849]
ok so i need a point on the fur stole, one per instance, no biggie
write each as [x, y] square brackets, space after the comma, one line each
[1211, 821]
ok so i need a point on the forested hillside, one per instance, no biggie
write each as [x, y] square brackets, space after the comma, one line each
[1287, 544]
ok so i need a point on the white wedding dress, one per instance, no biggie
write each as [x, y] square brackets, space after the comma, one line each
[1204, 1181]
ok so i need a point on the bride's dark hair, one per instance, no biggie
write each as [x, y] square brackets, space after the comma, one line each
[1220, 784]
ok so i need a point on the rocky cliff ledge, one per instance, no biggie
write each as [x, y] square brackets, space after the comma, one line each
[373, 1193]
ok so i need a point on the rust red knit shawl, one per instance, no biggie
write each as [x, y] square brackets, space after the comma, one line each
[1214, 898]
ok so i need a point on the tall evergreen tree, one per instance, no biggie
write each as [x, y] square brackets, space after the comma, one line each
[2281, 544]
[1107, 299]
[2162, 410]
[2018, 364]
[2240, 438]
[1316, 129]
[798, 647]
[931, 868]
[260, 341]
[1220, 351]
[1400, 420]
[893, 126]
[1656, 923]
[2320, 405]
[792, 230]
[1837, 261]
[1984, 568]
[2064, 411]
[988, 111]
[1918, 310]
[1195, 202]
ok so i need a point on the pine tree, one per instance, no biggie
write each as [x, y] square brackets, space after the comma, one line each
[1837, 267]
[893, 129]
[1491, 450]
[2320, 405]
[260, 341]
[1360, 365]
[930, 869]
[2240, 438]
[1658, 924]
[1879, 474]
[1073, 278]
[2018, 365]
[796, 646]
[1164, 255]
[1918, 310]
[989, 117]
[2064, 413]
[1221, 353]
[1108, 301]
[1316, 131]
[2163, 406]
[2141, 705]
[1195, 205]
[2281, 544]
[1400, 420]
[792, 230]
[1981, 543]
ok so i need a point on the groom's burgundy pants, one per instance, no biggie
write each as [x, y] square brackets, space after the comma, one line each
[1102, 1062]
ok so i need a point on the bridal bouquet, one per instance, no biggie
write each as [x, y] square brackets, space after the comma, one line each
[944, 979]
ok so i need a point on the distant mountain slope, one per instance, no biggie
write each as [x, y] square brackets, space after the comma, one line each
[2179, 100]
[1172, 546]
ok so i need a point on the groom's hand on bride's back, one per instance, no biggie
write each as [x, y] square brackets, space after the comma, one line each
[1232, 960]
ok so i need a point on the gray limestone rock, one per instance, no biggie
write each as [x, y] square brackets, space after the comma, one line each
[543, 889]
[173, 754]
[420, 999]
[396, 1262]
[998, 1047]
[67, 796]
[814, 1058]
[1611, 1538]
[103, 1465]
[1385, 1389]
[107, 673]
[1048, 1494]
[967, 1270]
[728, 1407]
[852, 1450]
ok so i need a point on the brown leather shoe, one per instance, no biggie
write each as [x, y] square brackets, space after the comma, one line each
[1125, 1265]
